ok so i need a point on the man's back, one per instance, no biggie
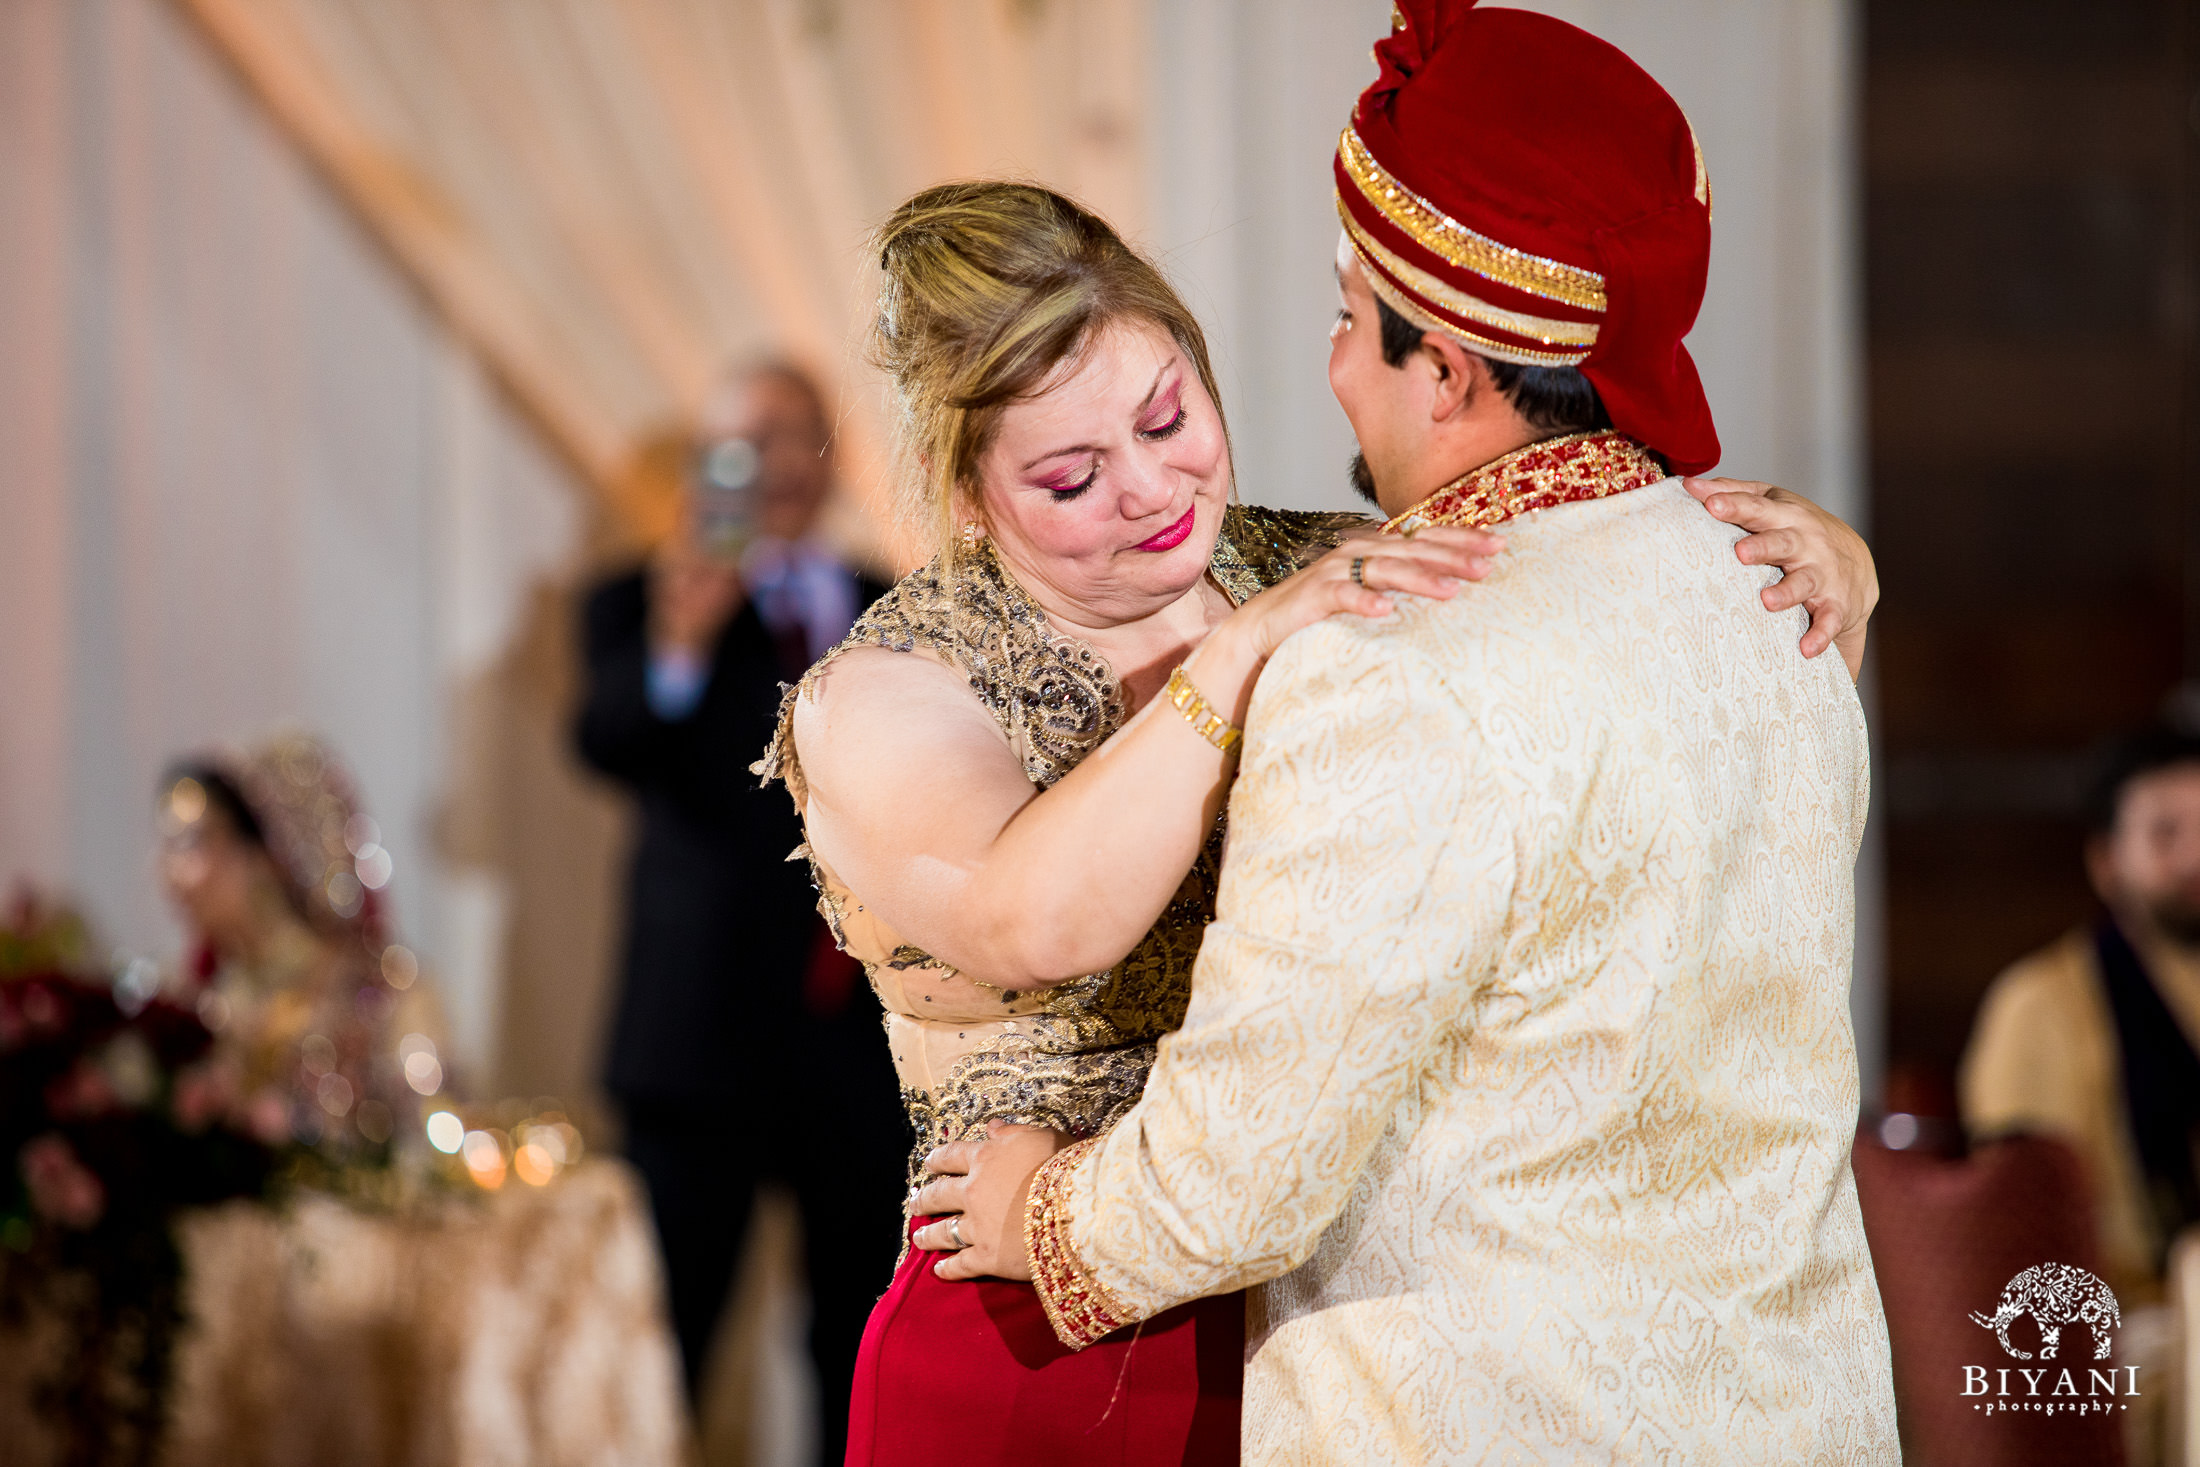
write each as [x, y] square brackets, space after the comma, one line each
[1611, 1212]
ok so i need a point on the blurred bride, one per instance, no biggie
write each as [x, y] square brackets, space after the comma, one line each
[396, 1305]
[325, 1038]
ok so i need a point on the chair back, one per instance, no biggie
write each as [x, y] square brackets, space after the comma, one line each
[1947, 1237]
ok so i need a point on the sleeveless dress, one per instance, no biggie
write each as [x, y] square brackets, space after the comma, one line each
[971, 1373]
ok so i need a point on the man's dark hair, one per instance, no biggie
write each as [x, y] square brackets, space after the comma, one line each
[1555, 399]
[2134, 756]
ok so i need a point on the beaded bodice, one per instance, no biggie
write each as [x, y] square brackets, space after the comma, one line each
[1073, 1056]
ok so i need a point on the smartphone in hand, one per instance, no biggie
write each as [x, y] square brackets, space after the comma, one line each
[725, 497]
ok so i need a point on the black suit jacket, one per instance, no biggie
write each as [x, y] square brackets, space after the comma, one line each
[719, 921]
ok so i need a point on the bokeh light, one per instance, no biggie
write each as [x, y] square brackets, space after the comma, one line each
[360, 831]
[423, 1067]
[399, 967]
[373, 867]
[534, 1164]
[484, 1156]
[186, 802]
[345, 894]
[446, 1132]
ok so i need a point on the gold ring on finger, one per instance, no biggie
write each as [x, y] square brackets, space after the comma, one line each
[1359, 573]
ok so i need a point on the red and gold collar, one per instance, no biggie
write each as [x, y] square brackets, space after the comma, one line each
[1554, 471]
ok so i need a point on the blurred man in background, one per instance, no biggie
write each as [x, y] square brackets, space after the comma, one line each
[737, 1016]
[2091, 1039]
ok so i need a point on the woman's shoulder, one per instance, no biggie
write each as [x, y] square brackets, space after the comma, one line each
[935, 634]
[1259, 546]
[914, 609]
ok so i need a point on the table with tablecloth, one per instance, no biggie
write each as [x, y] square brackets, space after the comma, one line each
[521, 1328]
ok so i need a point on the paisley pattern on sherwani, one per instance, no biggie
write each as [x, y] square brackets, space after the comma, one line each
[1075, 1056]
[1518, 1070]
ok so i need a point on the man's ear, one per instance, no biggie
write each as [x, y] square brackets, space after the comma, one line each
[1457, 376]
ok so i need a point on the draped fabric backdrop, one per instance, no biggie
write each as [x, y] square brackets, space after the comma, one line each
[610, 200]
[245, 477]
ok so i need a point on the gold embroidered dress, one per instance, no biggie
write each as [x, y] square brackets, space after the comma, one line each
[1518, 1072]
[1073, 1056]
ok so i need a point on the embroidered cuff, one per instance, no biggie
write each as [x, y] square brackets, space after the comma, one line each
[1078, 1305]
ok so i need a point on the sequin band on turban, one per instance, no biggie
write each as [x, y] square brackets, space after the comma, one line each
[1519, 184]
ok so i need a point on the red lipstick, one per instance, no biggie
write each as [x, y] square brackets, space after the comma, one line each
[1173, 536]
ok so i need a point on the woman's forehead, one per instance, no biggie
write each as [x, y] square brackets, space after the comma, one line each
[1124, 364]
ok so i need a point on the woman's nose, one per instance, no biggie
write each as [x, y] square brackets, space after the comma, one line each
[1148, 489]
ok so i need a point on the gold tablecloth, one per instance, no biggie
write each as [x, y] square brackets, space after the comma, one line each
[522, 1328]
[526, 1329]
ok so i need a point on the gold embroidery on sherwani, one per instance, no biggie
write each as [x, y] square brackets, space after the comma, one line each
[1553, 472]
[1074, 1056]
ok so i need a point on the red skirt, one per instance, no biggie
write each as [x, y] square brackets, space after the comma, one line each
[971, 1375]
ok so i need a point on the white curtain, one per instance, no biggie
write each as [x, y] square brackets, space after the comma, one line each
[612, 198]
[246, 478]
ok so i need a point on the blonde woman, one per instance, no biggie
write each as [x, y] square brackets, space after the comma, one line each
[1012, 771]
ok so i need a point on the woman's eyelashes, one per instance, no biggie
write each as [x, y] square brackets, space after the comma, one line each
[1063, 493]
[1169, 429]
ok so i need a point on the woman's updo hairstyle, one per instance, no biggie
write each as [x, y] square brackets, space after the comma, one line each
[989, 288]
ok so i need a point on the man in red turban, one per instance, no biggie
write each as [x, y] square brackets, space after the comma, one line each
[1522, 187]
[1518, 1079]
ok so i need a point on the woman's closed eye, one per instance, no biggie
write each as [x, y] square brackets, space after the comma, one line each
[1169, 429]
[1063, 493]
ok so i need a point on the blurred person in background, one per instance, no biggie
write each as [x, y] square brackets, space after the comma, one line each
[323, 1035]
[2091, 1040]
[738, 1016]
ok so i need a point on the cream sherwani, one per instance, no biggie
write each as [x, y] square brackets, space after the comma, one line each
[1518, 1071]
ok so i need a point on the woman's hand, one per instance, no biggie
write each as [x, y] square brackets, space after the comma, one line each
[1825, 566]
[1433, 562]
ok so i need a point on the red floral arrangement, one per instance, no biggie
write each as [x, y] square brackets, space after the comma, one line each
[104, 1120]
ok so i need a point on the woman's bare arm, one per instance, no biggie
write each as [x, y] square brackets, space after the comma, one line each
[916, 800]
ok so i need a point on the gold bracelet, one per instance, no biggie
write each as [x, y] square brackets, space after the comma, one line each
[1201, 714]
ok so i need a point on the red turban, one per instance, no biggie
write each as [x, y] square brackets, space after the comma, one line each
[1519, 184]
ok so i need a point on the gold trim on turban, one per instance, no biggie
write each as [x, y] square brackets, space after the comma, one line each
[1447, 238]
[1406, 306]
[1703, 173]
[1440, 293]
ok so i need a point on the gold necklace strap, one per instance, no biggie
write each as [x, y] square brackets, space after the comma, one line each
[1199, 713]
